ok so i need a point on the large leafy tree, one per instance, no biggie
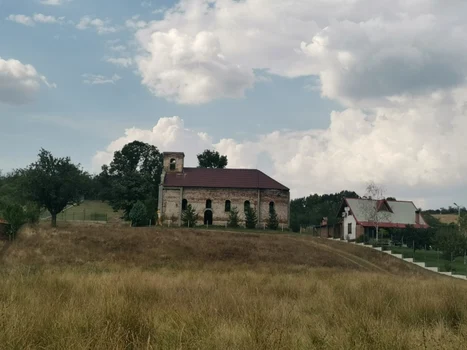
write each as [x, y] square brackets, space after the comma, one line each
[133, 175]
[53, 183]
[212, 159]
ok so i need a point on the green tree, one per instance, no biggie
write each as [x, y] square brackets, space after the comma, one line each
[309, 211]
[463, 223]
[15, 215]
[234, 219]
[133, 175]
[53, 183]
[211, 159]
[189, 216]
[431, 220]
[450, 241]
[273, 221]
[138, 214]
[251, 219]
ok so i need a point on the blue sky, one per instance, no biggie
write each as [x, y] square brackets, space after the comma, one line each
[321, 95]
[77, 119]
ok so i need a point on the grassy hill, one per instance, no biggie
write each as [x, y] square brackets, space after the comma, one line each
[110, 287]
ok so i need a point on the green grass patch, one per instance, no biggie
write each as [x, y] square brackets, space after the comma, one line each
[88, 210]
[433, 258]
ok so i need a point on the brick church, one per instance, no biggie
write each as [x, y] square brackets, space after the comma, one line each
[214, 192]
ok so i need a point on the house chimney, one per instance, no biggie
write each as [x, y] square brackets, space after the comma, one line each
[417, 217]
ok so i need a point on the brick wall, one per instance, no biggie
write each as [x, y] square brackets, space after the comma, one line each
[172, 201]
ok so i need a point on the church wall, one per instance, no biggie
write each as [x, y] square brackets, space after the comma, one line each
[197, 197]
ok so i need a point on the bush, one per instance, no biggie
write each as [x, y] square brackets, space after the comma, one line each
[16, 217]
[251, 219]
[189, 216]
[273, 222]
[138, 214]
[451, 242]
[234, 219]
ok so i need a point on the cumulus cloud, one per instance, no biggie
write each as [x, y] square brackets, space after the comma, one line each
[191, 69]
[36, 18]
[96, 79]
[54, 2]
[19, 83]
[120, 61]
[407, 149]
[363, 52]
[167, 134]
[21, 19]
[397, 67]
[101, 26]
[135, 23]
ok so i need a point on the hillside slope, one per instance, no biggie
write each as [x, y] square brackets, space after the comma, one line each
[153, 247]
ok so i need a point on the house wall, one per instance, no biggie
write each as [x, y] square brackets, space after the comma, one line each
[197, 197]
[353, 234]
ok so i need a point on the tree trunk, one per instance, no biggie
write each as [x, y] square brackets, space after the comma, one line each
[54, 220]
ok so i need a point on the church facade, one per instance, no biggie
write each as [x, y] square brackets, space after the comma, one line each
[214, 192]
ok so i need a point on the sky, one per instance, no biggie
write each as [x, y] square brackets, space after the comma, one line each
[322, 95]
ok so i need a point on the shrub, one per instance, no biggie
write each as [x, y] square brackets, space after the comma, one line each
[251, 219]
[138, 214]
[234, 219]
[16, 217]
[189, 216]
[451, 242]
[273, 222]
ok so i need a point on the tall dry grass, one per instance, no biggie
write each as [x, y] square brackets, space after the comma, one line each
[233, 307]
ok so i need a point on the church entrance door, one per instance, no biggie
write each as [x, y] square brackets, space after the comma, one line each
[208, 217]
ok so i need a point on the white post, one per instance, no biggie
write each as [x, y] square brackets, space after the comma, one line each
[264, 226]
[282, 227]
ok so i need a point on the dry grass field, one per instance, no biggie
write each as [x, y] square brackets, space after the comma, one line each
[109, 287]
[447, 218]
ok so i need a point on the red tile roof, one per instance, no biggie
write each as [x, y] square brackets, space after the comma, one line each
[222, 178]
[3, 222]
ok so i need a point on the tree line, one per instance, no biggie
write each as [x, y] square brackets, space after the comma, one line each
[130, 184]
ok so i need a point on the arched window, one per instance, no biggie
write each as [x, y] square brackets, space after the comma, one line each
[246, 205]
[184, 204]
[227, 205]
[208, 204]
[271, 207]
[173, 164]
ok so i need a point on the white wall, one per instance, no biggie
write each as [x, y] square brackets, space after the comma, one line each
[350, 220]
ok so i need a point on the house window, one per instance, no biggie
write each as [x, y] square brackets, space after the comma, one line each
[184, 204]
[227, 205]
[246, 205]
[173, 163]
[208, 204]
[349, 229]
[271, 207]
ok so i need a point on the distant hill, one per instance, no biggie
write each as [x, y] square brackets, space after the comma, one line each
[446, 218]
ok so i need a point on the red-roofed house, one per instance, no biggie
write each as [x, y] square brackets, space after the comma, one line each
[214, 192]
[360, 216]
